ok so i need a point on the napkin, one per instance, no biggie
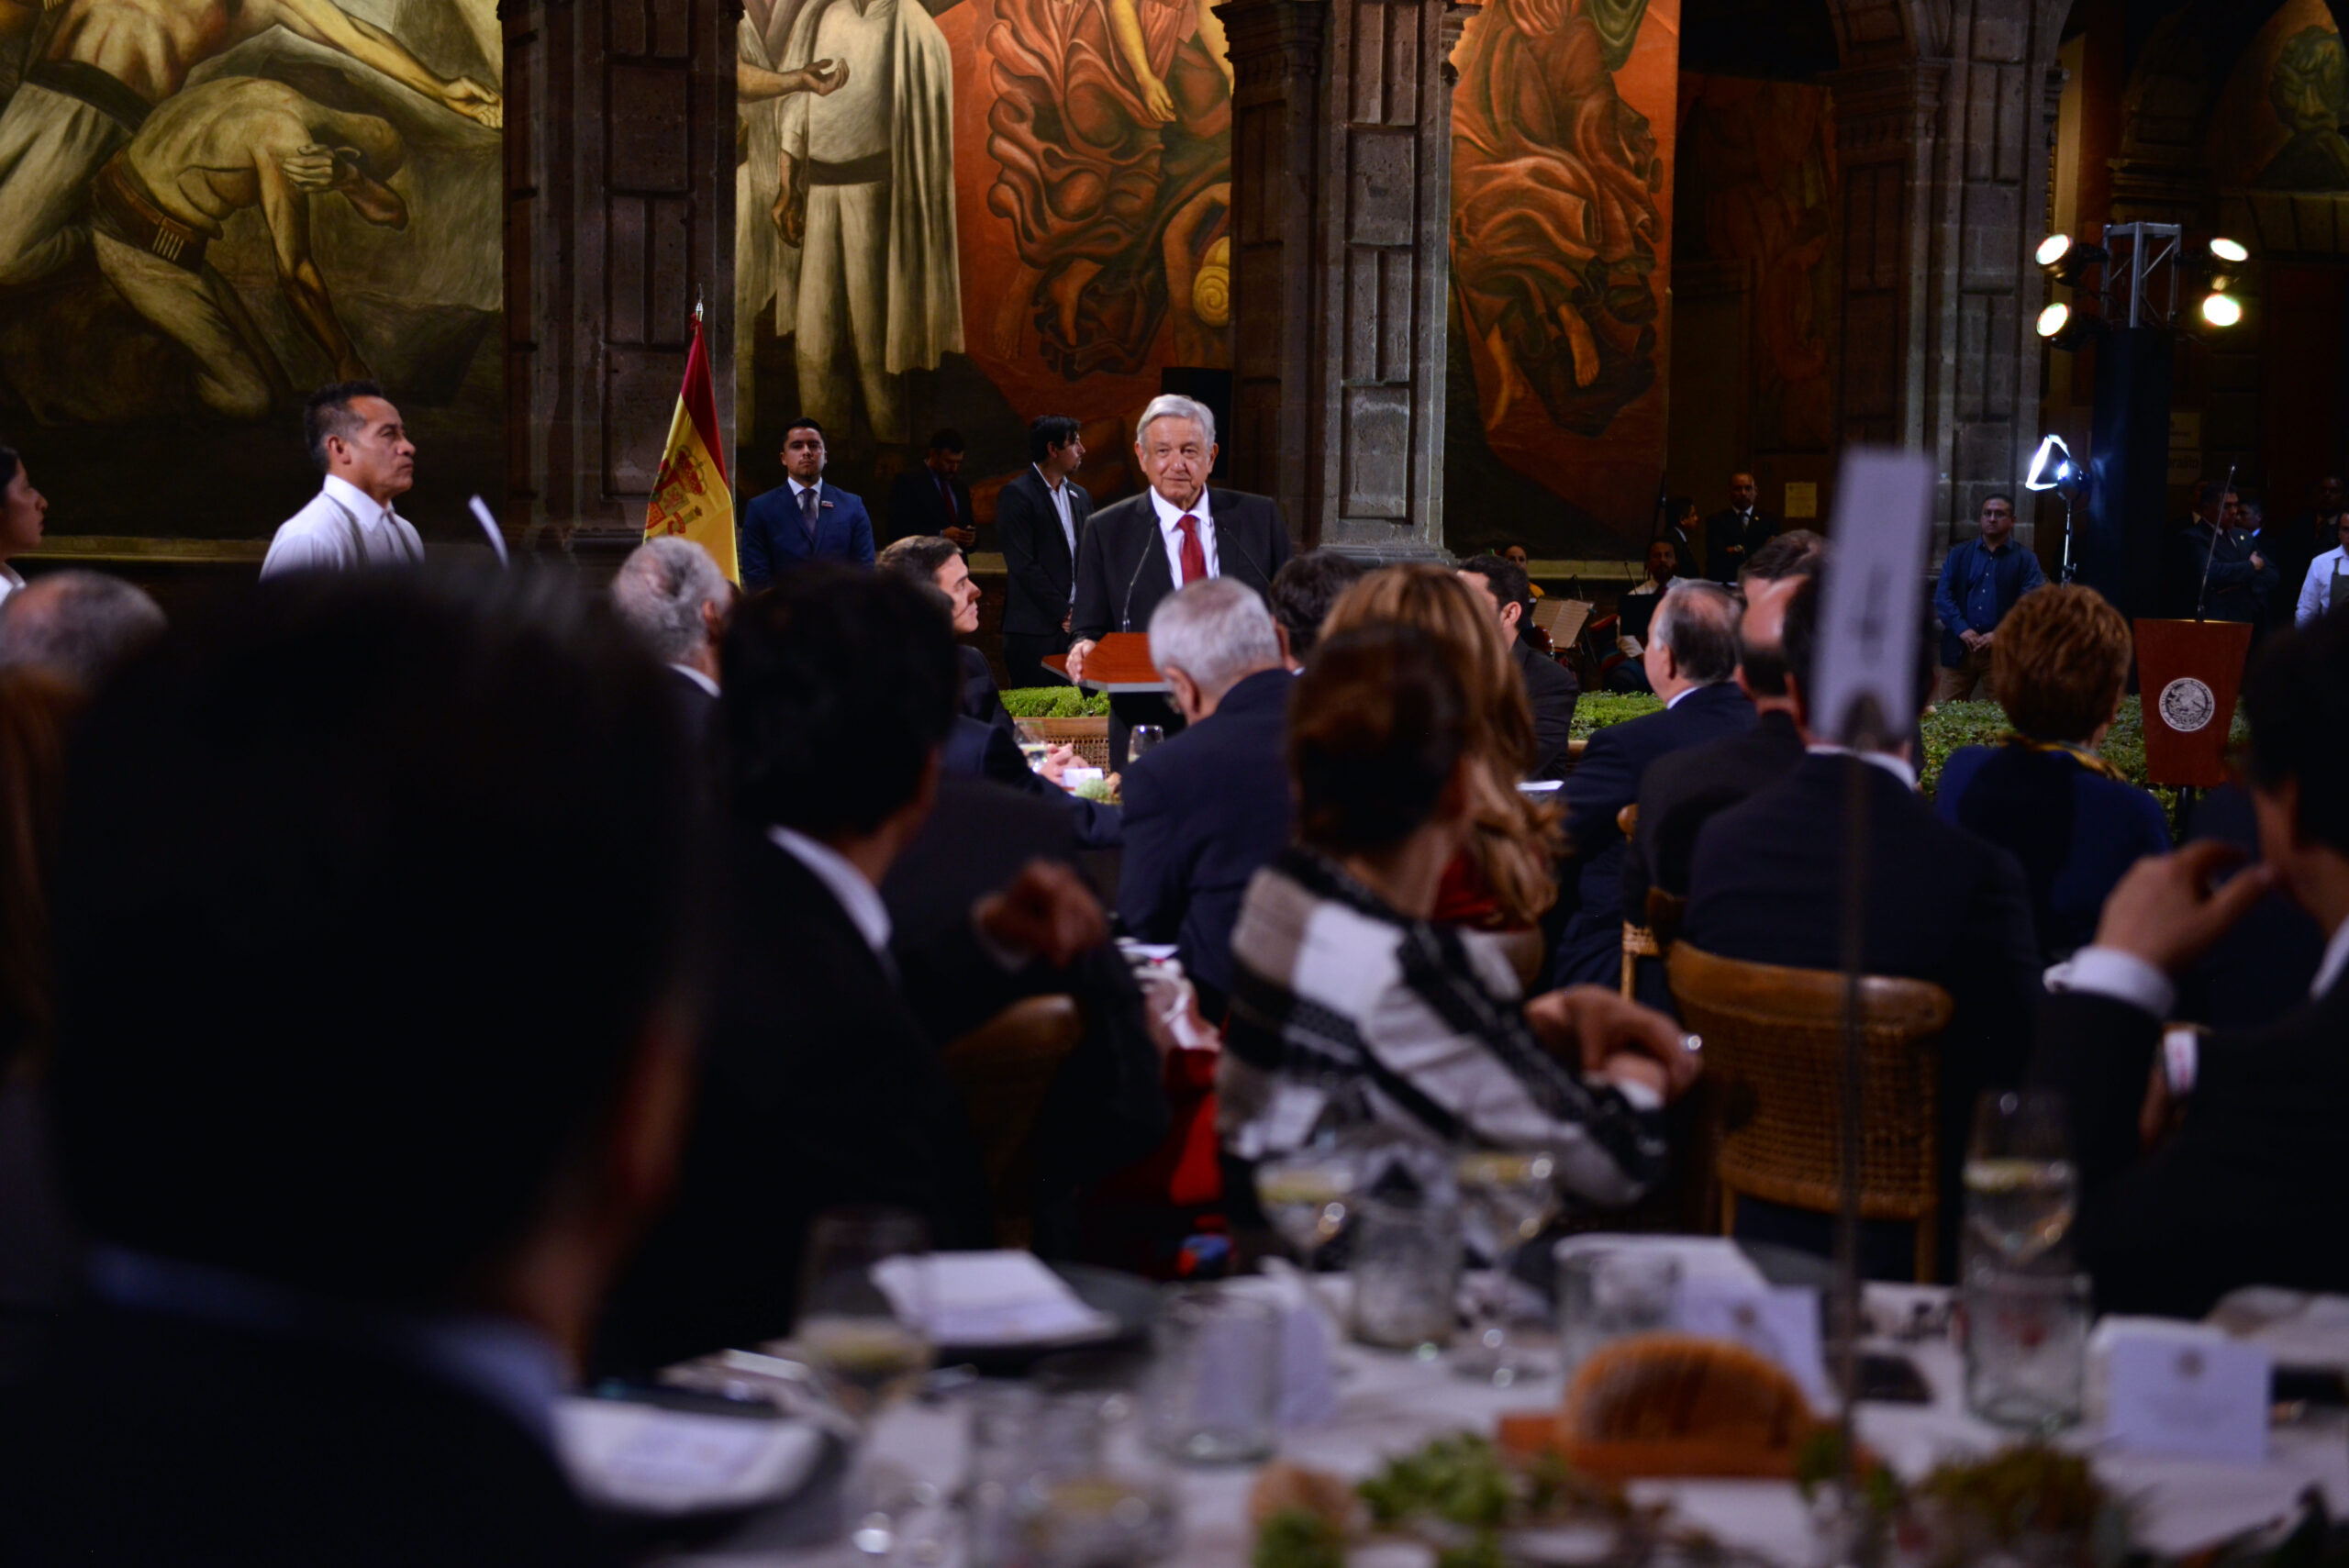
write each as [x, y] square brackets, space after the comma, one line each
[988, 1298]
[649, 1460]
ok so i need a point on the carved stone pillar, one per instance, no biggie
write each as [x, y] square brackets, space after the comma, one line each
[1341, 192]
[619, 148]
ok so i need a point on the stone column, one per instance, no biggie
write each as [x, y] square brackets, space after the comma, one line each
[1943, 130]
[619, 147]
[1342, 194]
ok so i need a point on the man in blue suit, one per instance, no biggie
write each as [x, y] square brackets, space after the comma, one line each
[803, 519]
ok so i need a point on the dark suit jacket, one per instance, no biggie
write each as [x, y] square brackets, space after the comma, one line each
[1036, 554]
[2259, 972]
[1122, 547]
[917, 507]
[1725, 528]
[2236, 590]
[152, 1439]
[1553, 690]
[1767, 886]
[1204, 813]
[975, 751]
[982, 699]
[772, 540]
[1607, 780]
[821, 1085]
[2251, 1189]
[1682, 789]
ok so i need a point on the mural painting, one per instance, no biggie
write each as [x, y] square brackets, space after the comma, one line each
[2279, 121]
[208, 207]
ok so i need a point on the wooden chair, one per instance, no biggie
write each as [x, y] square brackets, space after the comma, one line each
[1774, 1052]
[1004, 1067]
[1639, 941]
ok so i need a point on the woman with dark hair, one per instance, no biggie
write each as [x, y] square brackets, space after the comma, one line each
[2059, 664]
[1340, 974]
[22, 509]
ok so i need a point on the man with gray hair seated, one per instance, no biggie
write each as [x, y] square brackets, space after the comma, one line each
[1691, 664]
[1209, 809]
[672, 594]
[1176, 533]
[80, 624]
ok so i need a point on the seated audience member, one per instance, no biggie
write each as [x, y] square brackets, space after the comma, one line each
[1504, 878]
[23, 513]
[1691, 661]
[1635, 611]
[1303, 590]
[1681, 790]
[2259, 971]
[80, 624]
[2059, 667]
[355, 1178]
[38, 1258]
[1208, 809]
[2320, 584]
[1982, 580]
[1516, 555]
[1549, 687]
[672, 594]
[1767, 886]
[821, 1081]
[1342, 974]
[2248, 1186]
[939, 563]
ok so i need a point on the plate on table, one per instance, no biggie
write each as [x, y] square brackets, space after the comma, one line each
[686, 1468]
[1126, 1303]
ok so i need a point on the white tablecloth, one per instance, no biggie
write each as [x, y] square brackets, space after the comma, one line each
[1390, 1404]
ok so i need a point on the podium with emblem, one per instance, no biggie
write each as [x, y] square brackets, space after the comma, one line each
[2189, 674]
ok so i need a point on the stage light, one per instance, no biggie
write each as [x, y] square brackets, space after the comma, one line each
[2051, 250]
[2222, 310]
[2065, 258]
[2054, 319]
[2066, 328]
[2052, 468]
[2231, 252]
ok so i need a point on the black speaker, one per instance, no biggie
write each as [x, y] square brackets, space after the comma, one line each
[2124, 543]
[1212, 387]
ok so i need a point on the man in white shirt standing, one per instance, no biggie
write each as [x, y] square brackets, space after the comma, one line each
[357, 439]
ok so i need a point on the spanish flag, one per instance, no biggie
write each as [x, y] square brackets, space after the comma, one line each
[691, 499]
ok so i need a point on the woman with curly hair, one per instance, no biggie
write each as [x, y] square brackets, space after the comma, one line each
[1506, 876]
[2059, 665]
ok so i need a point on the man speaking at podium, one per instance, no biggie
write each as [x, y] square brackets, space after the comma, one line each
[1143, 548]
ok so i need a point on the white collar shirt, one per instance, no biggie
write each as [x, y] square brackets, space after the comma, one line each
[797, 490]
[1169, 515]
[1066, 508]
[696, 677]
[343, 529]
[10, 581]
[859, 899]
[2336, 959]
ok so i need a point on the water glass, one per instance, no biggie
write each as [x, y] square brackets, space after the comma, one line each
[2021, 1187]
[872, 1348]
[2026, 1347]
[1405, 1275]
[1141, 738]
[1215, 1383]
[1609, 1294]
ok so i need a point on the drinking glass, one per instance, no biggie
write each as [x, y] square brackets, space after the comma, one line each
[1308, 1190]
[1508, 1195]
[869, 1344]
[1607, 1294]
[2026, 1347]
[1141, 738]
[2021, 1185]
[1406, 1271]
[1215, 1377]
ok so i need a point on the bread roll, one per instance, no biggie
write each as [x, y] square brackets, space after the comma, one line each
[1657, 1389]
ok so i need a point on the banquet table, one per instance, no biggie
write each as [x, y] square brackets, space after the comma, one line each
[1391, 1403]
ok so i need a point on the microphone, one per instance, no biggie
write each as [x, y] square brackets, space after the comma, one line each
[2218, 532]
[1126, 610]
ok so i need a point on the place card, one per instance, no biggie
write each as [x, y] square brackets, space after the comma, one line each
[1308, 1393]
[1778, 1323]
[2159, 1386]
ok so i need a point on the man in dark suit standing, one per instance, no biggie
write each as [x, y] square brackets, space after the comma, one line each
[1690, 659]
[1208, 809]
[2211, 1162]
[1174, 533]
[932, 498]
[2217, 570]
[1039, 517]
[804, 519]
[1766, 885]
[1550, 686]
[1733, 537]
[821, 1078]
[336, 1289]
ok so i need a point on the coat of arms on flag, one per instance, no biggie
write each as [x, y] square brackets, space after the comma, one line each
[691, 499]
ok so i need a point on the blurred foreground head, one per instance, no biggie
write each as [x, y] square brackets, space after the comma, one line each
[368, 920]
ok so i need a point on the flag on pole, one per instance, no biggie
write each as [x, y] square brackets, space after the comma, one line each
[691, 499]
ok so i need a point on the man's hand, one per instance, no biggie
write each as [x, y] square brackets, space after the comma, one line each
[1047, 910]
[2167, 912]
[2258, 561]
[1056, 762]
[475, 102]
[966, 537]
[825, 77]
[1972, 639]
[1598, 1025]
[311, 170]
[1078, 652]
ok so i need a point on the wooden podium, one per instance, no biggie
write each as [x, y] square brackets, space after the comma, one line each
[1119, 663]
[2189, 674]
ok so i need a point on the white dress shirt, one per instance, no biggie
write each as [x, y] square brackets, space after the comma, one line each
[697, 678]
[342, 530]
[859, 899]
[10, 581]
[2316, 588]
[1062, 505]
[1169, 514]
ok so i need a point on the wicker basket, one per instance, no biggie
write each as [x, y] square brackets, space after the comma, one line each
[1089, 736]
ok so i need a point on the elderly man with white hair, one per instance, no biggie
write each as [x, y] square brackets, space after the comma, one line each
[1208, 809]
[1178, 532]
[672, 594]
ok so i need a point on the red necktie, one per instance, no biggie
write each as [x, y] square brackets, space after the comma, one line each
[1195, 557]
[953, 514]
